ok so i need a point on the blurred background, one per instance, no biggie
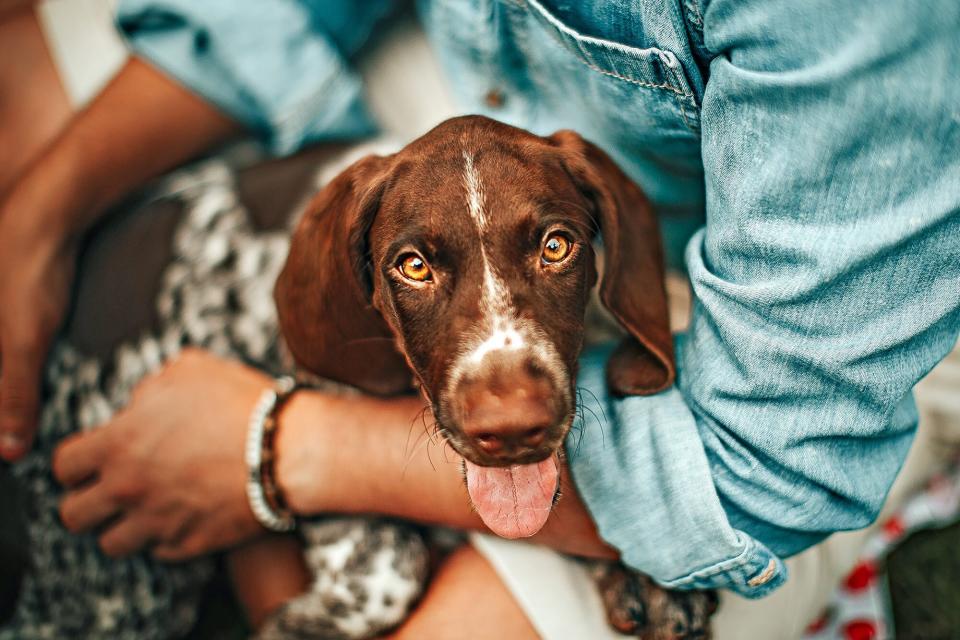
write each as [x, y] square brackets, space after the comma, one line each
[56, 55]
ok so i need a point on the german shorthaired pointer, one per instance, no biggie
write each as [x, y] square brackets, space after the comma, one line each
[466, 260]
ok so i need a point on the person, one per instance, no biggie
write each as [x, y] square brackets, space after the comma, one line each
[817, 142]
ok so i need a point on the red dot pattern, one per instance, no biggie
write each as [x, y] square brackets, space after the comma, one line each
[860, 630]
[894, 528]
[862, 576]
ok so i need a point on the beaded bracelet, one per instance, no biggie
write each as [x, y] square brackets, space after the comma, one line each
[263, 492]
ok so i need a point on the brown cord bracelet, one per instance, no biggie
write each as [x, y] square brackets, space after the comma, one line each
[263, 492]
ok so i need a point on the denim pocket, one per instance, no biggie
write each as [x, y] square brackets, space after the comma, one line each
[516, 61]
[624, 69]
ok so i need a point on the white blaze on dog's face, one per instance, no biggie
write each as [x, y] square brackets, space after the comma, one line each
[498, 328]
[499, 315]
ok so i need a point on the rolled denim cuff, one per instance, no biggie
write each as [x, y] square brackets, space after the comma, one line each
[262, 64]
[640, 466]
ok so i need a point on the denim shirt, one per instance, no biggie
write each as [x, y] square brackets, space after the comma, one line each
[814, 147]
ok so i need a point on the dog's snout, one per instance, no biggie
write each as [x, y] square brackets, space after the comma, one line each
[508, 411]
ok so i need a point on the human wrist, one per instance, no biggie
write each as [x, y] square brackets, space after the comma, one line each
[300, 463]
[265, 497]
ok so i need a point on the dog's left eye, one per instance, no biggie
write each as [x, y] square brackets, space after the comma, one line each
[556, 247]
[413, 267]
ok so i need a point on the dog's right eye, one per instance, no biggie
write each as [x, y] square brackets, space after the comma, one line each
[413, 267]
[556, 248]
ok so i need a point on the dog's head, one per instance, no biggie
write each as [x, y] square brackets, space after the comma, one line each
[467, 259]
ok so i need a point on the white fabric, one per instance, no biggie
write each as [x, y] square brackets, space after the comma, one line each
[405, 90]
[83, 43]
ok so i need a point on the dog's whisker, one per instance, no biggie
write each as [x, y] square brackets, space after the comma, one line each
[406, 446]
[445, 446]
[428, 430]
[422, 440]
[579, 434]
[600, 421]
[421, 444]
[430, 459]
[583, 422]
[596, 400]
[441, 433]
[580, 430]
[603, 434]
[592, 413]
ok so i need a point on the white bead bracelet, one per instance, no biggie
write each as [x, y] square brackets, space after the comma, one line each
[269, 402]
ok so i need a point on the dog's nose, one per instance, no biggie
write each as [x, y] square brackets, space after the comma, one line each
[506, 421]
[503, 436]
[494, 444]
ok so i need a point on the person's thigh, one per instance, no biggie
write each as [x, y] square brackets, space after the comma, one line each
[466, 599]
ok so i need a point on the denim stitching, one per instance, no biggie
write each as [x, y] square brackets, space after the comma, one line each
[612, 74]
[683, 112]
[723, 567]
[581, 56]
[640, 83]
[746, 557]
[696, 18]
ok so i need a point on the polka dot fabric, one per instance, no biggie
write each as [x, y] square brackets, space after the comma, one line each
[859, 608]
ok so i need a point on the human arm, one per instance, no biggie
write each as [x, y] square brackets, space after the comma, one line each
[200, 73]
[825, 285]
[379, 456]
[142, 124]
[169, 471]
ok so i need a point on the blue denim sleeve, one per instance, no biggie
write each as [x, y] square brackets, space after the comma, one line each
[826, 284]
[280, 68]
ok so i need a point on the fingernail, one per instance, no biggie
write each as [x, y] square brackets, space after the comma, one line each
[10, 445]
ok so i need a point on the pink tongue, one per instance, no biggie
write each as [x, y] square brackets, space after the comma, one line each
[514, 502]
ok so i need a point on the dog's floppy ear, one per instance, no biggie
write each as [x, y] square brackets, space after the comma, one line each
[633, 281]
[322, 294]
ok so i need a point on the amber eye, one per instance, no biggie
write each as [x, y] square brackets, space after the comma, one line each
[556, 248]
[415, 268]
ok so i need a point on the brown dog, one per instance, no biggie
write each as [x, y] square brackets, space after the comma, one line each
[466, 258]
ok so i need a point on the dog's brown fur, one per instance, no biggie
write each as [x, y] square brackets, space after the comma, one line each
[345, 316]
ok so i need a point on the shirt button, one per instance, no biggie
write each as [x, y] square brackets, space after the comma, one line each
[494, 98]
[201, 40]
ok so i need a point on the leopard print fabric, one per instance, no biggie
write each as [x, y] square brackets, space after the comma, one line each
[216, 294]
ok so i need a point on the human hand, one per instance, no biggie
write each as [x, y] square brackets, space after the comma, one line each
[168, 471]
[37, 264]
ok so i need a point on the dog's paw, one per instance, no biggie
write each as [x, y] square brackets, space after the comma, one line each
[639, 607]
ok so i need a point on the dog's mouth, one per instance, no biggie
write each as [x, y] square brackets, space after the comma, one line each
[514, 501]
[515, 489]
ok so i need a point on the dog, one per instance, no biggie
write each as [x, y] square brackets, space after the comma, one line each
[462, 266]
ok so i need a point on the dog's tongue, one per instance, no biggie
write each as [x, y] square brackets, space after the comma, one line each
[514, 502]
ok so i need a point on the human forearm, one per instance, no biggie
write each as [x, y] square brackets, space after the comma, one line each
[366, 455]
[142, 124]
[142, 470]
